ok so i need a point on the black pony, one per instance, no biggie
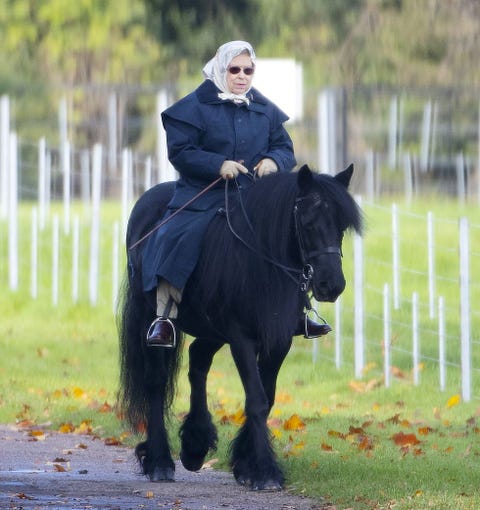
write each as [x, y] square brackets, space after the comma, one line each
[276, 241]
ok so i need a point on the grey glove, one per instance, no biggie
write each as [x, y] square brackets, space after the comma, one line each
[265, 166]
[230, 169]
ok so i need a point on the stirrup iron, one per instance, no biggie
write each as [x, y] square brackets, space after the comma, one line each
[324, 324]
[168, 343]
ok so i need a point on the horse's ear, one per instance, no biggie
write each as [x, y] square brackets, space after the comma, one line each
[305, 178]
[345, 176]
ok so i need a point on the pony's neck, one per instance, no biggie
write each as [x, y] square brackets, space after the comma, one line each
[269, 205]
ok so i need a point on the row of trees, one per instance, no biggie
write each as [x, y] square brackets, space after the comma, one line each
[85, 49]
[408, 42]
[147, 41]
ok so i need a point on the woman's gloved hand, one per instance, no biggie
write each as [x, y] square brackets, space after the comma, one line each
[230, 169]
[265, 166]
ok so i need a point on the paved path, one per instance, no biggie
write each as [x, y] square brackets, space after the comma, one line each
[70, 472]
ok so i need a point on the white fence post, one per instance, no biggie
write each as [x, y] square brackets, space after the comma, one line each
[42, 182]
[34, 255]
[166, 172]
[75, 258]
[442, 367]
[386, 335]
[55, 259]
[426, 136]
[48, 179]
[67, 171]
[13, 212]
[85, 178]
[395, 258]
[358, 284]
[4, 156]
[461, 186]
[95, 227]
[415, 340]
[326, 131]
[465, 309]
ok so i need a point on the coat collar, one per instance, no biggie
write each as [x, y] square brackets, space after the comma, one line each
[207, 92]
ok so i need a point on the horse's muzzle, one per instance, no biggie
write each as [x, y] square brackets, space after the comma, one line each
[326, 290]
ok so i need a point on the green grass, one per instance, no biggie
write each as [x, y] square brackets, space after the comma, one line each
[60, 365]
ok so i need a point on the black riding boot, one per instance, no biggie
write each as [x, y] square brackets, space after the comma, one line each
[161, 332]
[311, 329]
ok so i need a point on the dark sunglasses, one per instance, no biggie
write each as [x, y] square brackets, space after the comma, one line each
[246, 70]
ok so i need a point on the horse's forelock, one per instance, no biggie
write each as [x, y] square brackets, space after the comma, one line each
[349, 214]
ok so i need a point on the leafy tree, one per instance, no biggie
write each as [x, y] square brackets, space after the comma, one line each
[82, 46]
[192, 30]
[87, 47]
[412, 43]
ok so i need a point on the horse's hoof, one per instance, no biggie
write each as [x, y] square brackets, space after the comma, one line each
[268, 486]
[244, 481]
[191, 463]
[162, 475]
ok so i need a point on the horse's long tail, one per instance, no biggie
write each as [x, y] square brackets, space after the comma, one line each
[142, 370]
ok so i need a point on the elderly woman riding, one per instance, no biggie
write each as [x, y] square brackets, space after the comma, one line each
[223, 128]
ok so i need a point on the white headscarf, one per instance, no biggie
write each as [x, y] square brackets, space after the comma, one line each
[216, 68]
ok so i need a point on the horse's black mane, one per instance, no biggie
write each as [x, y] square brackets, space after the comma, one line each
[270, 234]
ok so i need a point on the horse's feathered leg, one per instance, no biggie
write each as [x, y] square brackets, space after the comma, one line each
[198, 434]
[154, 454]
[269, 366]
[252, 457]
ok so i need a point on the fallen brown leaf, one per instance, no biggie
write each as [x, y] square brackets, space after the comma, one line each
[402, 439]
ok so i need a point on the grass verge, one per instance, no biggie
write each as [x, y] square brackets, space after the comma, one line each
[354, 443]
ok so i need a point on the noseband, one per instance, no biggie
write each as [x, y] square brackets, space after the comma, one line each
[306, 254]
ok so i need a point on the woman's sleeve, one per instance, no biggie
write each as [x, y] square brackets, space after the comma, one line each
[185, 151]
[281, 149]
[280, 145]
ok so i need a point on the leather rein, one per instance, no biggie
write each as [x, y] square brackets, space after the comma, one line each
[168, 218]
[301, 276]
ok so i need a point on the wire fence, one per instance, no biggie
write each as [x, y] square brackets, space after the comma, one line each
[412, 306]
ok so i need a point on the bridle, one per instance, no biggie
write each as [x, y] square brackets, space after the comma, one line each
[305, 254]
[302, 277]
